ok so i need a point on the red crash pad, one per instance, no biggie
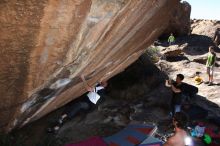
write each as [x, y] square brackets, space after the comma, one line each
[93, 141]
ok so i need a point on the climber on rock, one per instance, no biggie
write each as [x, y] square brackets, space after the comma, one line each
[210, 64]
[180, 137]
[176, 87]
[86, 103]
[171, 39]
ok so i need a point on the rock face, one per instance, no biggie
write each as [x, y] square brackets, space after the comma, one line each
[205, 27]
[46, 45]
[180, 22]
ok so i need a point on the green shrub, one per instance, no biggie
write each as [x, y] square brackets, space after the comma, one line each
[153, 53]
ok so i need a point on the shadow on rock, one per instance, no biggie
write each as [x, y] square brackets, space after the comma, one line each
[176, 58]
[197, 44]
[213, 108]
[137, 80]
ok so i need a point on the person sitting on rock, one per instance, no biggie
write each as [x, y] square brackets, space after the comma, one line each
[171, 39]
[210, 64]
[176, 87]
[83, 104]
[216, 38]
[180, 137]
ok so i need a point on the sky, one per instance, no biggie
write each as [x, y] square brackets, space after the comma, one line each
[205, 9]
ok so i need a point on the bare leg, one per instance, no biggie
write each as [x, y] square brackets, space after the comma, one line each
[211, 75]
[208, 74]
[211, 78]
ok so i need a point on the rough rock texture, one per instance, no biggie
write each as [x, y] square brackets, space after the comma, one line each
[205, 27]
[217, 37]
[180, 22]
[46, 45]
[172, 51]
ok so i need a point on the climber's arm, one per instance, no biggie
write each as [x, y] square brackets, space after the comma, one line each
[175, 89]
[88, 88]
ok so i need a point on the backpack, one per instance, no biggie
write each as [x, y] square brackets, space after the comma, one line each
[189, 90]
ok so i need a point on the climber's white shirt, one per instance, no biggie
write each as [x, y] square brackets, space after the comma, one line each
[93, 95]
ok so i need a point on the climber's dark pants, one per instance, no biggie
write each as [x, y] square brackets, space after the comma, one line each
[74, 109]
[77, 106]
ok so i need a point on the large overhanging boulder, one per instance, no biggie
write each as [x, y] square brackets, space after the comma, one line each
[45, 45]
